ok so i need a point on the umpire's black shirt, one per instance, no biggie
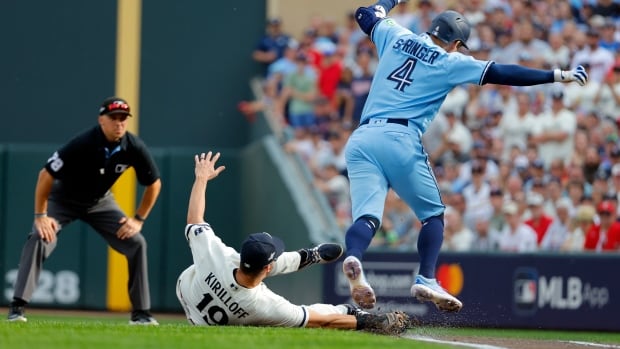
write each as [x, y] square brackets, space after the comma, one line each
[86, 168]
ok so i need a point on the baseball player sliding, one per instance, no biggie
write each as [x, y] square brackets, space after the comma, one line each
[413, 77]
[224, 287]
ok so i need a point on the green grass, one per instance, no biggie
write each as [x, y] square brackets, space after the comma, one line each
[68, 331]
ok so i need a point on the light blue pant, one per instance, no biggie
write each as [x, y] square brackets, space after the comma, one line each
[381, 155]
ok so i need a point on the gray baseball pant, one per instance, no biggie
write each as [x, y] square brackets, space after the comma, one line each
[103, 217]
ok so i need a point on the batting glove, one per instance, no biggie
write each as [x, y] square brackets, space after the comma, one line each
[578, 75]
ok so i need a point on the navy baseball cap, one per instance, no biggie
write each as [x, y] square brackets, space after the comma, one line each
[260, 249]
[114, 105]
[538, 163]
[274, 21]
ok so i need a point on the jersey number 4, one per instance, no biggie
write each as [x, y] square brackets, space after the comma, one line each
[402, 75]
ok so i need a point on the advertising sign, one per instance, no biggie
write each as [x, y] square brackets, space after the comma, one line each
[579, 291]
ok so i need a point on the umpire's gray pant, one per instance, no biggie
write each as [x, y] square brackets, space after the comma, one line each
[104, 217]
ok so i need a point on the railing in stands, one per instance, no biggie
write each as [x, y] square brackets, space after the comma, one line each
[312, 204]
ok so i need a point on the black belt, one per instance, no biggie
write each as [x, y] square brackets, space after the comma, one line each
[404, 122]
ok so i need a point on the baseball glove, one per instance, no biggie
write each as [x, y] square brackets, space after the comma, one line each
[394, 323]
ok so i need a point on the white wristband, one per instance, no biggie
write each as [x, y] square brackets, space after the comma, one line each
[559, 75]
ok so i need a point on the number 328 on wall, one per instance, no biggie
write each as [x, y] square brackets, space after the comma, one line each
[61, 287]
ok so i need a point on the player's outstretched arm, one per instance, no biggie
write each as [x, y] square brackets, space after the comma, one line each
[393, 324]
[367, 17]
[516, 75]
[339, 321]
[204, 171]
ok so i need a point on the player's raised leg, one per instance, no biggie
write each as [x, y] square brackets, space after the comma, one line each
[426, 288]
[368, 191]
[361, 292]
[418, 187]
[292, 261]
[321, 254]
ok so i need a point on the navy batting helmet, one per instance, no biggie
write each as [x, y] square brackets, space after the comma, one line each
[450, 26]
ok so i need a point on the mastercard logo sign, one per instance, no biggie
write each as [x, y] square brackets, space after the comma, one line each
[450, 277]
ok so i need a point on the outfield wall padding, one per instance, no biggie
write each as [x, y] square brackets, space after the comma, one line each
[543, 291]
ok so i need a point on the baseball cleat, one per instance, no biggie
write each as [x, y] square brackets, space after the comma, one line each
[361, 292]
[142, 317]
[16, 314]
[428, 290]
[321, 254]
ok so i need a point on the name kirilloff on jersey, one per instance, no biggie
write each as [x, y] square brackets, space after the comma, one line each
[213, 313]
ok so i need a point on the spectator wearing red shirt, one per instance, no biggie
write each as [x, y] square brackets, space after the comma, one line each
[330, 70]
[604, 236]
[539, 221]
[307, 45]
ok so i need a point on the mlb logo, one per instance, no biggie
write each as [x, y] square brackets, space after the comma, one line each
[525, 291]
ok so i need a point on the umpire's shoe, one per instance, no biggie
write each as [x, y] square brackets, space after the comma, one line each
[16, 314]
[142, 317]
[321, 254]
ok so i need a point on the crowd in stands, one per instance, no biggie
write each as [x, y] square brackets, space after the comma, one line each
[521, 169]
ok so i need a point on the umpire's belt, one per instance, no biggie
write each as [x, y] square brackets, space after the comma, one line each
[404, 122]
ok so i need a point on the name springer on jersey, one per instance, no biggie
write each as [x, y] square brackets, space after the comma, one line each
[417, 49]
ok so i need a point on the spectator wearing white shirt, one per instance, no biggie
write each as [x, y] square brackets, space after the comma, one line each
[333, 153]
[558, 231]
[615, 182]
[583, 100]
[516, 127]
[608, 94]
[559, 54]
[584, 218]
[554, 131]
[402, 15]
[457, 140]
[477, 196]
[600, 59]
[335, 186]
[306, 143]
[516, 236]
[479, 153]
[455, 102]
[457, 236]
[526, 43]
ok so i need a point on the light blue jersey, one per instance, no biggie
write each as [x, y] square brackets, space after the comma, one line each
[414, 75]
[411, 82]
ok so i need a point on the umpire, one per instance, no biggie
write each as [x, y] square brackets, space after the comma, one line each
[75, 184]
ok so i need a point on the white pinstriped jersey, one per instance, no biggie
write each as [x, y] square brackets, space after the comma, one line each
[210, 295]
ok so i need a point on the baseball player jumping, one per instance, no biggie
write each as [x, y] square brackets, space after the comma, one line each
[413, 77]
[224, 287]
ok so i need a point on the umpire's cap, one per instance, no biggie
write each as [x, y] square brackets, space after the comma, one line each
[260, 249]
[114, 105]
[450, 26]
